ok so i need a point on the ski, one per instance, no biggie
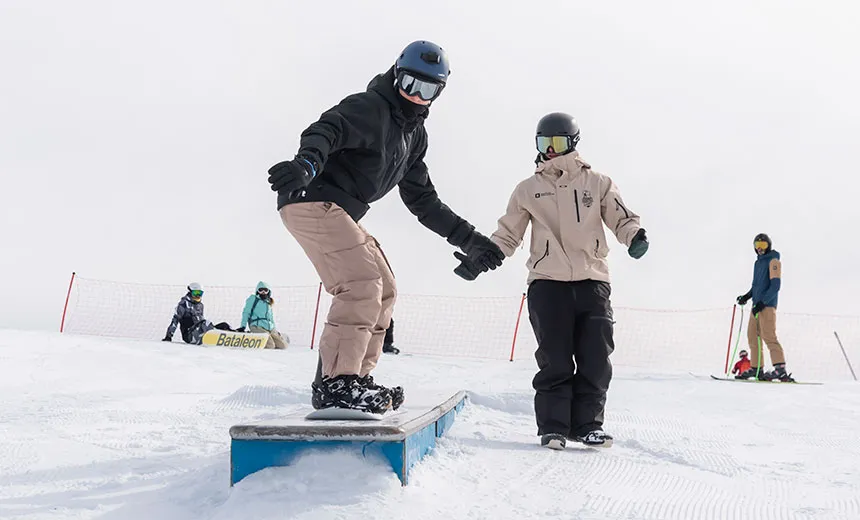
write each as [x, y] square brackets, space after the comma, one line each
[723, 378]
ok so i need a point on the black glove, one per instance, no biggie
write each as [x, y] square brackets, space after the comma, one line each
[466, 270]
[291, 177]
[240, 329]
[744, 298]
[639, 245]
[482, 251]
[757, 308]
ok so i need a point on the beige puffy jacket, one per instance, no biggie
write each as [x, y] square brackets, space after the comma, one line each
[567, 204]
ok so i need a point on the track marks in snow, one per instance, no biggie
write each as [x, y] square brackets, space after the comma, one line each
[660, 468]
[255, 396]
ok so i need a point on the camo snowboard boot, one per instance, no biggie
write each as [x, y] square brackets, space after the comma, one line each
[347, 391]
[396, 392]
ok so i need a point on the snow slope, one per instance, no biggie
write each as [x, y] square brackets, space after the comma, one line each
[122, 429]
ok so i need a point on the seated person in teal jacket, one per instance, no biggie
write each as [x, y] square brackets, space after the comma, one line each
[258, 318]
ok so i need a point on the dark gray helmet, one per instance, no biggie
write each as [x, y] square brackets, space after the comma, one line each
[762, 237]
[558, 123]
[557, 131]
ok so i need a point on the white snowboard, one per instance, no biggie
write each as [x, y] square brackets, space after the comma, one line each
[343, 414]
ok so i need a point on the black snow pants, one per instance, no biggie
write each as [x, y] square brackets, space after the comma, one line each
[573, 325]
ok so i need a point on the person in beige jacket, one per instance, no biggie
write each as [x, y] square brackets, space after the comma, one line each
[567, 204]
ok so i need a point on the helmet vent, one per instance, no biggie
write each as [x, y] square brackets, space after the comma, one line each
[431, 57]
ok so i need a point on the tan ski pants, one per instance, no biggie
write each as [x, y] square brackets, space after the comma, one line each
[765, 327]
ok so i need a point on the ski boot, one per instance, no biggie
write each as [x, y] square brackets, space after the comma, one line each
[778, 373]
[595, 439]
[389, 348]
[396, 392]
[346, 391]
[553, 441]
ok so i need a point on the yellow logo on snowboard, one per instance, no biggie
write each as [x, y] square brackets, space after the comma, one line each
[225, 338]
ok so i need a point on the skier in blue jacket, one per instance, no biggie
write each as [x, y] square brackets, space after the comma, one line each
[257, 316]
[767, 280]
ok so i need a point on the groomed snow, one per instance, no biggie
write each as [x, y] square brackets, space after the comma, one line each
[123, 429]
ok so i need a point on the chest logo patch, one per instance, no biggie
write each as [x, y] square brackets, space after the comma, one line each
[587, 200]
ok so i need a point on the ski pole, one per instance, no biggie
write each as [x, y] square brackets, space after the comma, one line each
[729, 346]
[845, 355]
[758, 335]
[738, 339]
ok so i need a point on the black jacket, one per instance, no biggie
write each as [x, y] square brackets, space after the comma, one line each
[365, 146]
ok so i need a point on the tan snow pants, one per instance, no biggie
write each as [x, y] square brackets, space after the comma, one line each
[765, 327]
[354, 270]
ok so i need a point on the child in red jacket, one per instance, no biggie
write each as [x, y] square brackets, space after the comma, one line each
[743, 363]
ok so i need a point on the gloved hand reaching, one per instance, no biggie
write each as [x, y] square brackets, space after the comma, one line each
[482, 252]
[744, 298]
[466, 270]
[291, 177]
[757, 308]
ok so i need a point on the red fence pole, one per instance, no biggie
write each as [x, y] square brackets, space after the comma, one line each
[731, 329]
[316, 314]
[66, 306]
[517, 326]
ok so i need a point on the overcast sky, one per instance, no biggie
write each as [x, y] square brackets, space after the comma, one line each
[135, 138]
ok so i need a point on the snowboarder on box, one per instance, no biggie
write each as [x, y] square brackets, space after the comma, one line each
[356, 153]
[257, 316]
[767, 280]
[189, 317]
[567, 203]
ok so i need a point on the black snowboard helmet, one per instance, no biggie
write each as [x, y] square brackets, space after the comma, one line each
[762, 237]
[556, 133]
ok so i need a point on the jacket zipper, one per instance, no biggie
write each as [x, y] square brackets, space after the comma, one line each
[546, 254]
[576, 202]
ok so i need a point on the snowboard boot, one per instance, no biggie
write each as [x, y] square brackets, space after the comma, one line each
[318, 399]
[553, 441]
[346, 391]
[396, 392]
[595, 438]
[388, 348]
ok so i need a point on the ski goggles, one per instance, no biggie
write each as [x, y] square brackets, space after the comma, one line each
[196, 294]
[262, 291]
[555, 144]
[760, 244]
[413, 85]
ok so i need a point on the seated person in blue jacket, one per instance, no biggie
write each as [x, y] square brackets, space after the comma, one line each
[258, 318]
[189, 316]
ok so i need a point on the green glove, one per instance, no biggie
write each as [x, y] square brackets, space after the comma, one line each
[639, 245]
